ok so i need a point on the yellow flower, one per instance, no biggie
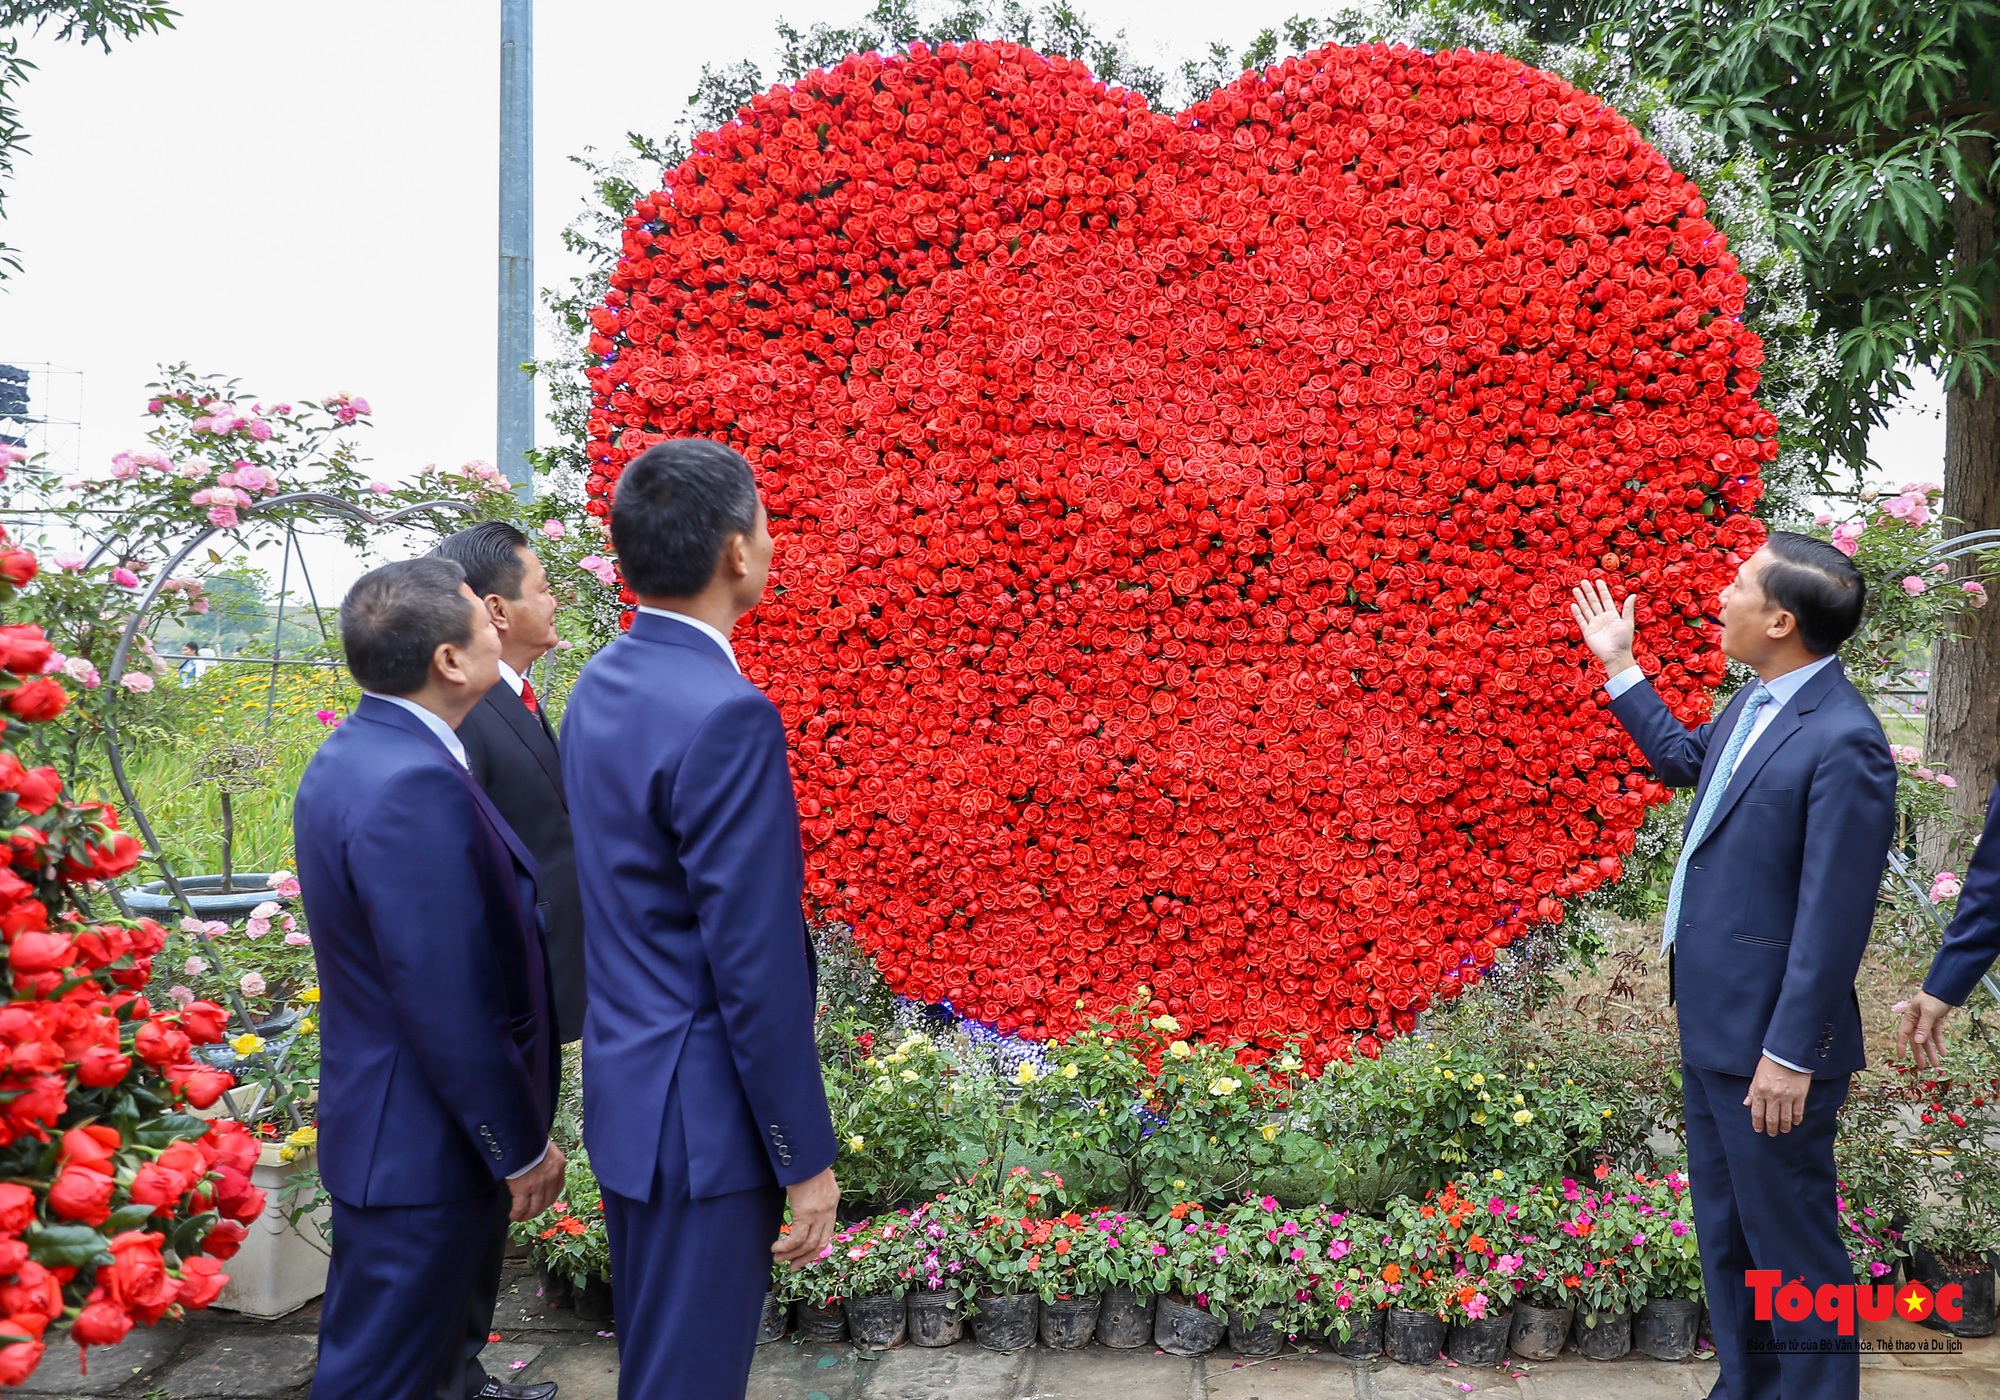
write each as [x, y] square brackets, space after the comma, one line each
[1069, 1071]
[310, 996]
[247, 1044]
[1607, 1113]
[1524, 1116]
[1270, 1132]
[1026, 1073]
[1167, 1024]
[909, 1076]
[1477, 1080]
[1479, 1118]
[303, 1137]
[1180, 1185]
[1519, 1100]
[1499, 1175]
[1179, 1050]
[1223, 1087]
[857, 1142]
[306, 1026]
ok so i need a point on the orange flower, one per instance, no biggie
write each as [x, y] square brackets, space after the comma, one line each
[1392, 1273]
[1178, 1212]
[1477, 1244]
[1062, 1246]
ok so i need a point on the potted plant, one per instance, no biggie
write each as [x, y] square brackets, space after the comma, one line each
[937, 1275]
[814, 1288]
[231, 769]
[1419, 1276]
[1349, 1298]
[568, 1244]
[1545, 1305]
[1070, 1278]
[1132, 1276]
[1955, 1213]
[1005, 1258]
[1258, 1283]
[1595, 1230]
[1477, 1226]
[1667, 1268]
[1186, 1321]
[875, 1260]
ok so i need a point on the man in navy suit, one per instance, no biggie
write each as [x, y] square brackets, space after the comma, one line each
[1769, 911]
[436, 1038]
[703, 1103]
[1970, 946]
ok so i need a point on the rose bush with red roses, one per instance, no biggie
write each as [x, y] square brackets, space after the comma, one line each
[116, 1203]
[1173, 513]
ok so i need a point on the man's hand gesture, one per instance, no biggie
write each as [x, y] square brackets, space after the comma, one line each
[1607, 628]
[1920, 1035]
[536, 1189]
[813, 1203]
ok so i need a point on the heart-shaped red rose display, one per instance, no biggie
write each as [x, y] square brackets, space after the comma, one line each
[1174, 515]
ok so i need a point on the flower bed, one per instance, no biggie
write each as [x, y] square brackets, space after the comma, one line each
[1173, 511]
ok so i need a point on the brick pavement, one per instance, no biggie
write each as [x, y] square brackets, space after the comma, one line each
[218, 1356]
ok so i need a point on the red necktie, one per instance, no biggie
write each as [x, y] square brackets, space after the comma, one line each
[528, 696]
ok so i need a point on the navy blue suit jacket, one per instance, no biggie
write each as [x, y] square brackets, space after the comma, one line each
[436, 1035]
[695, 948]
[1780, 895]
[1973, 940]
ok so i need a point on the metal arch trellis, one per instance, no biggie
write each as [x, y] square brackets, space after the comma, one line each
[115, 752]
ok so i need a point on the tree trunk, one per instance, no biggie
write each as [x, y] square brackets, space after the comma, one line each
[1963, 733]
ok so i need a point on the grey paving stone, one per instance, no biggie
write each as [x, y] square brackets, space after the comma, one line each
[1320, 1376]
[141, 1353]
[233, 1364]
[963, 1372]
[1912, 1383]
[792, 1371]
[1580, 1379]
[504, 1361]
[1096, 1372]
[521, 1309]
[585, 1372]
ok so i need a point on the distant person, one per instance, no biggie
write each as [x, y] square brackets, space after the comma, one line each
[512, 748]
[1970, 945]
[1768, 913]
[190, 667]
[703, 1102]
[437, 1048]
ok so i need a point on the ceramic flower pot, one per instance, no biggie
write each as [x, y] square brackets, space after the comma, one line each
[936, 1318]
[1479, 1341]
[1363, 1341]
[776, 1321]
[1665, 1328]
[280, 1266]
[1182, 1329]
[1603, 1336]
[1413, 1338]
[153, 900]
[1125, 1319]
[822, 1323]
[1539, 1333]
[878, 1321]
[1005, 1321]
[1069, 1323]
[1255, 1334]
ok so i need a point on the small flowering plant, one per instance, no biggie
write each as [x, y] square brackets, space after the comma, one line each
[1476, 1224]
[568, 1239]
[879, 1256]
[1874, 1246]
[939, 1246]
[1666, 1253]
[1341, 1281]
[1597, 1235]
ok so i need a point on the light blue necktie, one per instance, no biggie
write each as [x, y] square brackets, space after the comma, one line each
[1725, 769]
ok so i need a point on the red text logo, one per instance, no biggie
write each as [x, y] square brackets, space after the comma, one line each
[1842, 1303]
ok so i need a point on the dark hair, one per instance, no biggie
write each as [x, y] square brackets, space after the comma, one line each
[490, 554]
[677, 505]
[1817, 585]
[396, 617]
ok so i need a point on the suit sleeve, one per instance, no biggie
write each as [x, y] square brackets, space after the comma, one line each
[427, 905]
[1850, 818]
[1675, 752]
[1973, 940]
[737, 817]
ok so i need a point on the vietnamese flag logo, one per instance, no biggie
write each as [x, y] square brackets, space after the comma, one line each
[1913, 1302]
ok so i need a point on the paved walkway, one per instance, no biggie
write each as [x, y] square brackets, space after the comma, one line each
[218, 1356]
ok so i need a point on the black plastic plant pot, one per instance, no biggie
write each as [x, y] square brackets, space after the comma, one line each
[1538, 1333]
[877, 1321]
[1255, 1334]
[1364, 1337]
[1603, 1336]
[1069, 1323]
[557, 1292]
[1413, 1338]
[1480, 1341]
[777, 1320]
[593, 1301]
[936, 1318]
[1125, 1319]
[1182, 1329]
[1665, 1328]
[1975, 1294]
[1005, 1321]
[822, 1324]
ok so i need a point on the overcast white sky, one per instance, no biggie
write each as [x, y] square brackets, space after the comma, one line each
[304, 195]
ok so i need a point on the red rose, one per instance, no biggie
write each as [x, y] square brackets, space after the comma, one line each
[18, 567]
[228, 1144]
[37, 701]
[41, 952]
[137, 1278]
[17, 1208]
[199, 1084]
[81, 1194]
[160, 1187]
[39, 1104]
[33, 1290]
[92, 1147]
[18, 1360]
[160, 1043]
[204, 1022]
[224, 1239]
[36, 790]
[235, 1197]
[202, 1282]
[101, 1066]
[184, 1157]
[24, 650]
[102, 1323]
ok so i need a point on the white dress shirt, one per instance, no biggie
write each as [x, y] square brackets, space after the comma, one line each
[515, 680]
[702, 627]
[1782, 690]
[449, 739]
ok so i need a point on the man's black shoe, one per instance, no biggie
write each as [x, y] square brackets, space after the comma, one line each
[495, 1390]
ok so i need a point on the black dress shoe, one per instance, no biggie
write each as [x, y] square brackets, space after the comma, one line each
[496, 1390]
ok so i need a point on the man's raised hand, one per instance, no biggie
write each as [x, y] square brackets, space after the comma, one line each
[1607, 628]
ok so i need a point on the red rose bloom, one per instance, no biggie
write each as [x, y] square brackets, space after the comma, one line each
[36, 789]
[202, 1282]
[224, 1239]
[18, 1360]
[17, 1208]
[160, 1043]
[37, 701]
[82, 1194]
[18, 567]
[160, 1187]
[199, 1084]
[41, 952]
[102, 1323]
[92, 1147]
[137, 1278]
[204, 1022]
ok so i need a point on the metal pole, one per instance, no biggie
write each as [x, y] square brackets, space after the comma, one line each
[516, 390]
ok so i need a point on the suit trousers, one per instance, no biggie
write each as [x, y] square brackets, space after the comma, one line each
[1763, 1202]
[405, 1285]
[688, 1279]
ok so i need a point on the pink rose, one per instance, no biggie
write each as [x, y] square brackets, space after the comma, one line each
[124, 577]
[554, 529]
[1972, 587]
[1913, 585]
[138, 682]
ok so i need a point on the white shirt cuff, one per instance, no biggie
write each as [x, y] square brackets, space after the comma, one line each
[539, 1159]
[1797, 1069]
[1623, 681]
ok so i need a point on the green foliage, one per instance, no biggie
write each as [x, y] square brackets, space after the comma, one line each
[568, 1238]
